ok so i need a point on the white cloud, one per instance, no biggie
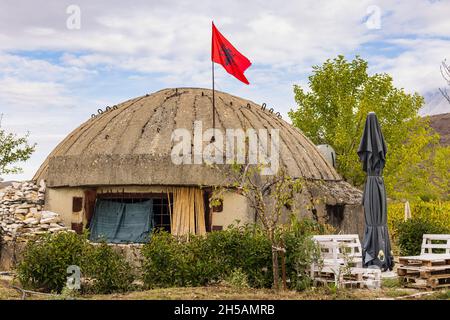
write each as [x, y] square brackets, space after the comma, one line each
[416, 68]
[124, 48]
[32, 94]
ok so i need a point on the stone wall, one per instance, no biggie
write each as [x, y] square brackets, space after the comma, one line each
[22, 213]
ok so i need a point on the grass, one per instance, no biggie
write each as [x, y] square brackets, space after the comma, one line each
[7, 293]
[440, 295]
[390, 282]
[225, 292]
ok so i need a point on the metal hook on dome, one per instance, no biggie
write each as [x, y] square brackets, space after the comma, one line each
[263, 106]
[114, 107]
[108, 108]
[249, 106]
[271, 110]
[100, 111]
[278, 115]
[93, 116]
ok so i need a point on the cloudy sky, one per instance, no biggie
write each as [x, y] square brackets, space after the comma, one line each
[54, 75]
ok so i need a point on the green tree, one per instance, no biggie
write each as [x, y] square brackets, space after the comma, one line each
[13, 149]
[334, 109]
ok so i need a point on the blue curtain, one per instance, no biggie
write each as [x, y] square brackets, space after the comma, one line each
[118, 222]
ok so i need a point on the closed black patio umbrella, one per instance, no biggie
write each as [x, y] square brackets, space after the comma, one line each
[372, 153]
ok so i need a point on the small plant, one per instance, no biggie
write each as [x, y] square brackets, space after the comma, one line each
[344, 270]
[68, 294]
[237, 279]
[301, 251]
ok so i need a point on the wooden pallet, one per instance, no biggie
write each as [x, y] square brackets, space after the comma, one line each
[338, 251]
[355, 277]
[423, 272]
[426, 260]
[430, 283]
[431, 269]
[343, 284]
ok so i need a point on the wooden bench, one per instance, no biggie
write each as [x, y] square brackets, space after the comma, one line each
[431, 269]
[341, 262]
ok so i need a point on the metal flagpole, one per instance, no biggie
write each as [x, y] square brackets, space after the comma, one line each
[214, 104]
[213, 98]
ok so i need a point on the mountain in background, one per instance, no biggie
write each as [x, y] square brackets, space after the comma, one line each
[435, 103]
[441, 124]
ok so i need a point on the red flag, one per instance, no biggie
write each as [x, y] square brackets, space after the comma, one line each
[223, 52]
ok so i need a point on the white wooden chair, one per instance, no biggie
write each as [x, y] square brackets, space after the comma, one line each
[431, 253]
[341, 256]
[431, 269]
[429, 245]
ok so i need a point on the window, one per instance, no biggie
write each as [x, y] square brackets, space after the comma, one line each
[335, 214]
[161, 213]
[130, 217]
[77, 204]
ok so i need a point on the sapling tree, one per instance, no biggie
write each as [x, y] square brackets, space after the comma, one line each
[269, 196]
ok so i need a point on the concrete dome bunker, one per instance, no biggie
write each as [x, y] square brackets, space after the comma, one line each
[124, 154]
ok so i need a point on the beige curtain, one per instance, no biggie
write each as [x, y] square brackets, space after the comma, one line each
[188, 216]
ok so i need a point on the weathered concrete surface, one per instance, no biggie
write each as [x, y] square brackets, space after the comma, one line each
[132, 143]
[130, 146]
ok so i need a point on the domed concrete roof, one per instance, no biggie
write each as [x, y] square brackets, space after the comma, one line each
[130, 144]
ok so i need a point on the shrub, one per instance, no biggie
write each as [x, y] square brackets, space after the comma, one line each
[427, 217]
[410, 234]
[203, 260]
[436, 211]
[45, 260]
[243, 247]
[162, 264]
[108, 269]
[169, 261]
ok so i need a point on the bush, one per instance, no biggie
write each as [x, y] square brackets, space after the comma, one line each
[45, 260]
[203, 260]
[108, 269]
[245, 247]
[169, 261]
[163, 264]
[436, 211]
[410, 234]
[427, 217]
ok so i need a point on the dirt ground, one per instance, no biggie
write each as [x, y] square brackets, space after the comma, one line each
[389, 291]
